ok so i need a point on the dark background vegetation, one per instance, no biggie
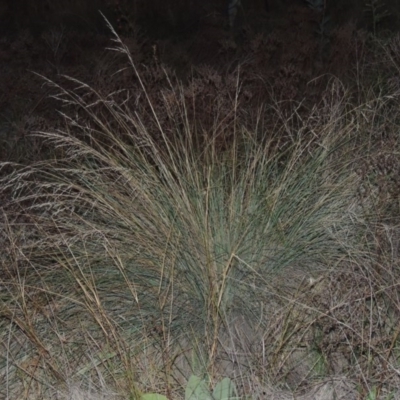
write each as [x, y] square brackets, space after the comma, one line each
[161, 18]
[287, 54]
[287, 48]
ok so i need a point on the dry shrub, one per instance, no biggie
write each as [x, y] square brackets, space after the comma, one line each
[163, 236]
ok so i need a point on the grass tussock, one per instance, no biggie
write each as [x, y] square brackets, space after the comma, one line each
[152, 251]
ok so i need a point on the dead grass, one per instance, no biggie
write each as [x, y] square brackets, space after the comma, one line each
[169, 234]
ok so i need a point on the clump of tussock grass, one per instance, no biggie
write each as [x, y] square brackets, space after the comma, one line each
[154, 254]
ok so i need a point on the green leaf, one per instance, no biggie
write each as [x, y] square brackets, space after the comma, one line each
[225, 390]
[153, 396]
[372, 394]
[197, 389]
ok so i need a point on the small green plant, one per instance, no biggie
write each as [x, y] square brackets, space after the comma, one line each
[198, 389]
[372, 395]
[233, 7]
[153, 396]
[323, 23]
[375, 393]
[377, 12]
[316, 5]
